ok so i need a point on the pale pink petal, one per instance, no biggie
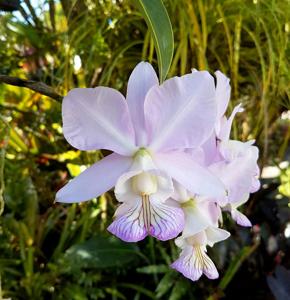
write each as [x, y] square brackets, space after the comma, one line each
[98, 118]
[197, 154]
[188, 173]
[95, 180]
[210, 150]
[214, 212]
[181, 112]
[236, 175]
[256, 184]
[141, 80]
[223, 92]
[232, 149]
[207, 153]
[240, 218]
[224, 133]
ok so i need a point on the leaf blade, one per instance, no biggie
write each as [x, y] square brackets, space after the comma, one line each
[158, 22]
[100, 253]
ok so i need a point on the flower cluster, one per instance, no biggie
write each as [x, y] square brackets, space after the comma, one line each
[173, 166]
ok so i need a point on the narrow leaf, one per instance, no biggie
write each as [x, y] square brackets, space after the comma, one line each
[158, 22]
[235, 265]
[153, 269]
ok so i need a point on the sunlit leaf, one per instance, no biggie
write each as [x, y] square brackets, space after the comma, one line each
[16, 141]
[284, 188]
[153, 269]
[101, 252]
[74, 169]
[69, 155]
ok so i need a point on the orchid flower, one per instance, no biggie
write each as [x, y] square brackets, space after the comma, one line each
[198, 210]
[236, 215]
[239, 178]
[201, 230]
[233, 162]
[193, 260]
[147, 133]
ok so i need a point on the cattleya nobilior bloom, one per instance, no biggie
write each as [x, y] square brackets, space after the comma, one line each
[193, 260]
[201, 230]
[148, 133]
[239, 183]
[237, 168]
[235, 164]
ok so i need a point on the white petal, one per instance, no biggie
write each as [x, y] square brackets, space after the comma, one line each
[215, 235]
[241, 201]
[180, 194]
[125, 189]
[197, 218]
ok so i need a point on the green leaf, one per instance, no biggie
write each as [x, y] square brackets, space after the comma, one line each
[284, 188]
[100, 252]
[235, 264]
[153, 269]
[179, 290]
[157, 19]
[165, 284]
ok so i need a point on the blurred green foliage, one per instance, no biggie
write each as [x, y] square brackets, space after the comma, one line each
[56, 251]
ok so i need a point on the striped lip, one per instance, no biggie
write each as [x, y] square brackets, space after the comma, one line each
[146, 211]
[193, 262]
